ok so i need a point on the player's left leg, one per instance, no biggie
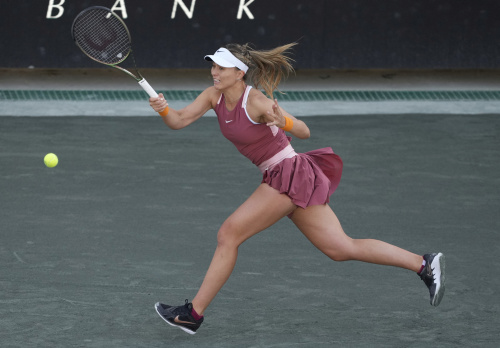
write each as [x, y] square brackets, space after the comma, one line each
[321, 226]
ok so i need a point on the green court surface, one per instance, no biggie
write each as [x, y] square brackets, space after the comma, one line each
[130, 215]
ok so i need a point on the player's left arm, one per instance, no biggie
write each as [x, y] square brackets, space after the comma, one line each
[265, 110]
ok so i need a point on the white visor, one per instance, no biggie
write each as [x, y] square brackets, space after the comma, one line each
[226, 59]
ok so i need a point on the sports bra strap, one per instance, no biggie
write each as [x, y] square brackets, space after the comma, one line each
[245, 97]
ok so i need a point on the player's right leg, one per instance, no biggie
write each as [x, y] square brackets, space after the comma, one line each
[262, 209]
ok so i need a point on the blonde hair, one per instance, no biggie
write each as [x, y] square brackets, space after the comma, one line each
[266, 68]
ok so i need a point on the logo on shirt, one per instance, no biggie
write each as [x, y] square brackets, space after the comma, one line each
[229, 121]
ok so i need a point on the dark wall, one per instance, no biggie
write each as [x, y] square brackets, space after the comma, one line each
[339, 34]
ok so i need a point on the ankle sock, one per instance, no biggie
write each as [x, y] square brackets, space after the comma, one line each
[195, 315]
[423, 265]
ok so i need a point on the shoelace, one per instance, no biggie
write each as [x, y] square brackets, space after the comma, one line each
[182, 309]
[428, 274]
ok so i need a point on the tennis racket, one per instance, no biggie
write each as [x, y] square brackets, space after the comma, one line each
[104, 37]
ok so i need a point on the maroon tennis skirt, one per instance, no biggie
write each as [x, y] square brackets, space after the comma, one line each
[308, 179]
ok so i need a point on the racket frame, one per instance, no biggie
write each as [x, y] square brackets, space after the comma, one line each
[140, 79]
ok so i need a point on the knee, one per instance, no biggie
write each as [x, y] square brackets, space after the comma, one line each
[341, 252]
[226, 237]
[339, 256]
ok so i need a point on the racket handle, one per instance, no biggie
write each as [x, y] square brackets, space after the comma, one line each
[152, 93]
[147, 87]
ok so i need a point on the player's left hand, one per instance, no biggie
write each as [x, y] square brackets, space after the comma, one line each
[275, 117]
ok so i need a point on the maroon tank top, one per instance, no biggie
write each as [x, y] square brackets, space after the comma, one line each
[256, 141]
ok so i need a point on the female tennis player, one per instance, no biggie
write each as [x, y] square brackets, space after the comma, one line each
[297, 185]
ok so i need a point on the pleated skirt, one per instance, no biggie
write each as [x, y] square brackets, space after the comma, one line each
[308, 178]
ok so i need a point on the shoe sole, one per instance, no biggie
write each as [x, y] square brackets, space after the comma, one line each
[440, 264]
[157, 306]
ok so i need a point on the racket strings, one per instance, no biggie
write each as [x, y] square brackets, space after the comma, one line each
[102, 36]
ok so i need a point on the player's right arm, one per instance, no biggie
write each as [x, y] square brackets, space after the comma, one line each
[177, 119]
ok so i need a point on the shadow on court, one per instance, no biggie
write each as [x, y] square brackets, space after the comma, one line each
[129, 217]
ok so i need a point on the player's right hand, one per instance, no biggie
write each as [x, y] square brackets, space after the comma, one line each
[158, 104]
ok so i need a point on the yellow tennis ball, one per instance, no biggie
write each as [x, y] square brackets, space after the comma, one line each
[50, 160]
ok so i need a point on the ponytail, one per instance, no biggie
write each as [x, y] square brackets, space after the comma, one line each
[266, 68]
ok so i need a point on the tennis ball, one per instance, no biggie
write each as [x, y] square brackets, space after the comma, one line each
[50, 160]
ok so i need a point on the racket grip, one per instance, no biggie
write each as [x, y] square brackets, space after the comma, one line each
[147, 87]
[152, 93]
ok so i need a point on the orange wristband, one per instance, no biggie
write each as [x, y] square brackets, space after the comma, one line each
[164, 112]
[288, 124]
